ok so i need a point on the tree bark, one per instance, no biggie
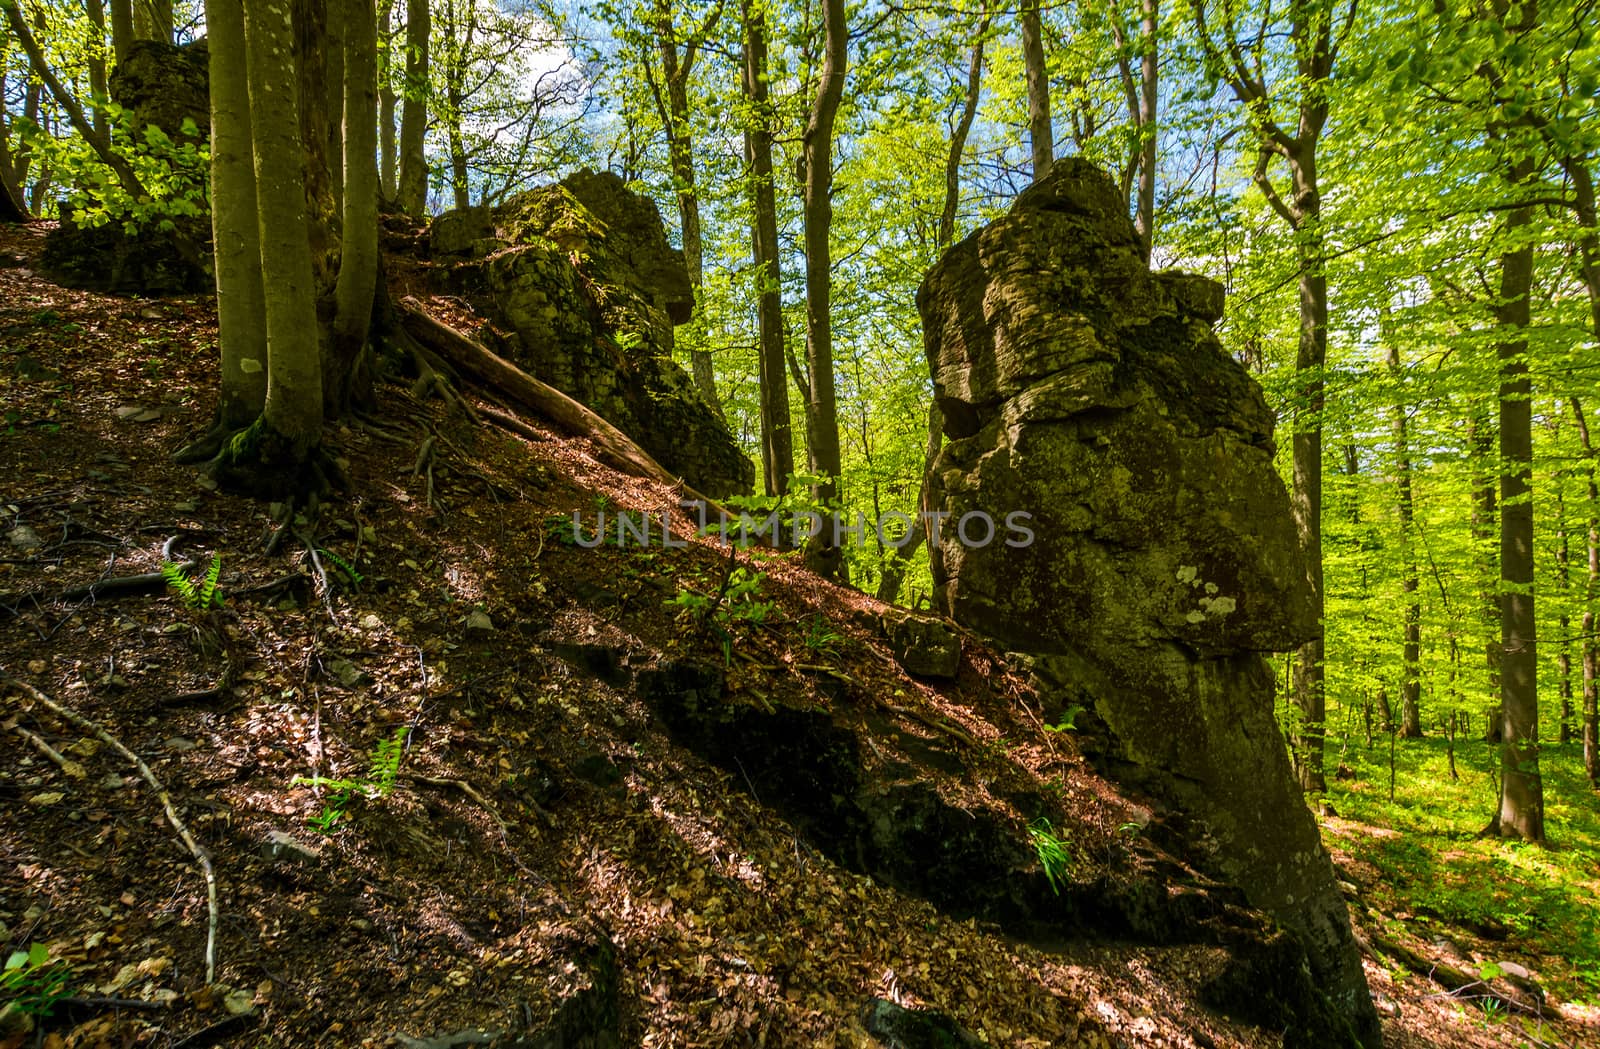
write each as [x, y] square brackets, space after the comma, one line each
[152, 20]
[386, 144]
[413, 179]
[1041, 135]
[290, 426]
[777, 440]
[121, 28]
[344, 378]
[1564, 621]
[672, 106]
[1591, 596]
[822, 413]
[1522, 791]
[1150, 71]
[338, 12]
[235, 235]
[1410, 582]
[96, 11]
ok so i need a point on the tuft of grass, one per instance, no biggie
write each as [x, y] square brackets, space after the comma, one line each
[1054, 855]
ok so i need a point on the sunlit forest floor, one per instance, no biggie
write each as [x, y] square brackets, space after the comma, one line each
[1424, 865]
[428, 911]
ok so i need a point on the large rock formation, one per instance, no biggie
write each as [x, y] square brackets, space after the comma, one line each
[581, 277]
[1079, 387]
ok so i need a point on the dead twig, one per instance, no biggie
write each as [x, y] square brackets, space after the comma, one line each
[70, 767]
[464, 787]
[201, 856]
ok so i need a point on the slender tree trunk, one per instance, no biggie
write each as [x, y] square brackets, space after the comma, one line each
[386, 144]
[338, 11]
[235, 235]
[152, 20]
[413, 179]
[121, 28]
[96, 11]
[672, 104]
[1522, 794]
[290, 426]
[1591, 597]
[11, 209]
[777, 440]
[1041, 135]
[1306, 491]
[1410, 582]
[1485, 514]
[822, 414]
[1564, 621]
[343, 378]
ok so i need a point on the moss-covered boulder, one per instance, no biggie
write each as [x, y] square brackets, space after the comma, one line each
[1080, 388]
[580, 279]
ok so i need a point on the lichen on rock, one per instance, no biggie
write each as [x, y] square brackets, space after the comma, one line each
[1078, 387]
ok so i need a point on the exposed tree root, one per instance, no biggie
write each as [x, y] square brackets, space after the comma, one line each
[201, 856]
[1461, 984]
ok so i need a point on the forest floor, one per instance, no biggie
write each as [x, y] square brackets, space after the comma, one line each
[425, 814]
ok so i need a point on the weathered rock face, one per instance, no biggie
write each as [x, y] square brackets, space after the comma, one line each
[165, 85]
[1078, 387]
[162, 85]
[581, 274]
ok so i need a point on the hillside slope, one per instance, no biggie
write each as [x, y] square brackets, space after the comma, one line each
[563, 810]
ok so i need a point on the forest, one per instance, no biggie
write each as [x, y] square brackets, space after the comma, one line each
[1397, 199]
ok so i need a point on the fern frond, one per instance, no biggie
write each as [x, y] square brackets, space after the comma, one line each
[209, 596]
[386, 760]
[356, 578]
[172, 572]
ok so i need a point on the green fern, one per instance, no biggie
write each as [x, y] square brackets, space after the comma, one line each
[386, 761]
[198, 596]
[356, 578]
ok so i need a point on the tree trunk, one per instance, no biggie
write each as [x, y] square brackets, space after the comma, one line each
[386, 146]
[822, 414]
[1591, 595]
[235, 235]
[121, 28]
[1410, 584]
[1306, 490]
[1564, 621]
[1040, 133]
[1522, 792]
[290, 425]
[343, 377]
[672, 104]
[152, 20]
[777, 440]
[338, 12]
[413, 180]
[96, 11]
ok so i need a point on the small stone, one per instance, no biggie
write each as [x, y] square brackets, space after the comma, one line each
[179, 744]
[282, 846]
[24, 538]
[923, 645]
[348, 674]
[370, 622]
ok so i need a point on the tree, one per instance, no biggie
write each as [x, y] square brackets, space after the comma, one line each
[822, 413]
[1313, 42]
[670, 90]
[283, 373]
[777, 442]
[1142, 97]
[1041, 134]
[412, 194]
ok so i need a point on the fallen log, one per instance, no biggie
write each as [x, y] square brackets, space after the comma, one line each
[471, 358]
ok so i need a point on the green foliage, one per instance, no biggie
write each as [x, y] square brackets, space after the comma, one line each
[1054, 854]
[1068, 722]
[820, 637]
[33, 981]
[349, 570]
[382, 771]
[734, 603]
[196, 596]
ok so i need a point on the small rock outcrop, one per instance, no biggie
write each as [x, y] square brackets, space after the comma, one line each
[164, 86]
[1081, 388]
[580, 278]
